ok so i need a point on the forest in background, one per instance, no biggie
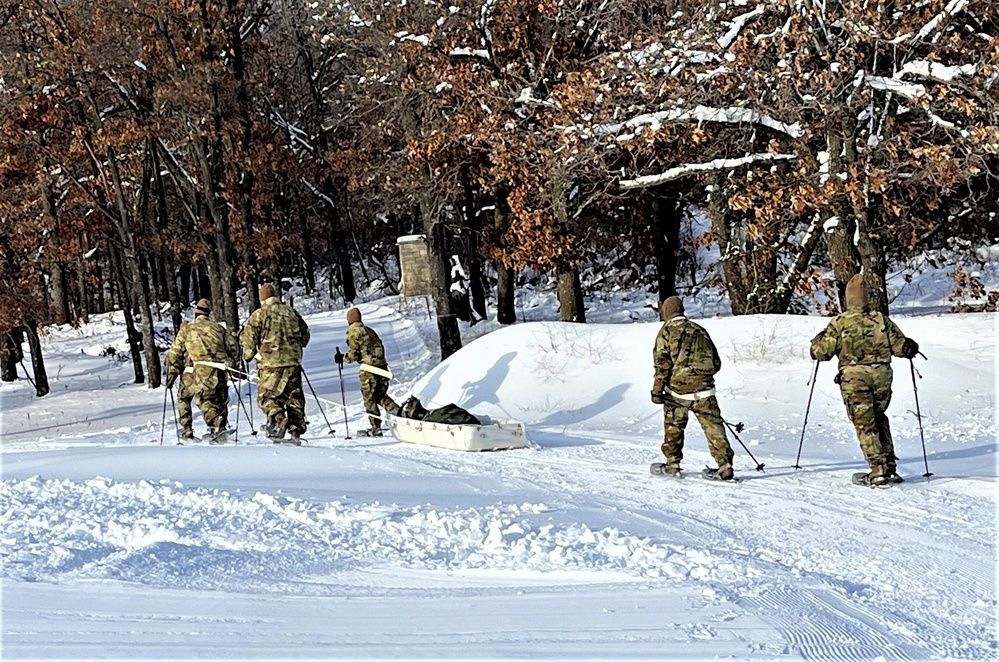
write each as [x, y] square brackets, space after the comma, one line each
[158, 152]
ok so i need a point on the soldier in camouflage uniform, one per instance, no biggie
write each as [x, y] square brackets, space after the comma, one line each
[864, 341]
[274, 337]
[202, 340]
[365, 347]
[686, 361]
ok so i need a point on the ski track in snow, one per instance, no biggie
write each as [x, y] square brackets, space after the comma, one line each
[861, 601]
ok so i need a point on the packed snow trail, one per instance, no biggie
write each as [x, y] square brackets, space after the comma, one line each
[114, 545]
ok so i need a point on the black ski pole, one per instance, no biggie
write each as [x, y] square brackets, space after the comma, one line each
[343, 395]
[28, 375]
[253, 430]
[808, 407]
[176, 424]
[236, 384]
[163, 420]
[318, 404]
[919, 417]
[732, 429]
[249, 392]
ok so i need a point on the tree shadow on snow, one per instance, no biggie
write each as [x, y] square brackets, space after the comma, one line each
[610, 398]
[556, 440]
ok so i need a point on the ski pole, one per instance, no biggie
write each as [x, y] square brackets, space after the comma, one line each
[318, 404]
[28, 375]
[163, 420]
[808, 407]
[239, 397]
[236, 439]
[176, 425]
[919, 418]
[343, 395]
[249, 393]
[732, 429]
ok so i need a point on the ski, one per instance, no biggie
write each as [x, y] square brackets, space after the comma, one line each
[288, 442]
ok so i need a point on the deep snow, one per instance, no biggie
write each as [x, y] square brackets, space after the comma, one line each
[116, 546]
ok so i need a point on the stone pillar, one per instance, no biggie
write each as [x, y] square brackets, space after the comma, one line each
[414, 264]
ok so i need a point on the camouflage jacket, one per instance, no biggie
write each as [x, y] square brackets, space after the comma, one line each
[275, 335]
[201, 339]
[364, 346]
[859, 337]
[684, 357]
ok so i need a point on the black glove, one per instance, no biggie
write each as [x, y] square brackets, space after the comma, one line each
[338, 357]
[910, 348]
[811, 352]
[658, 398]
[171, 378]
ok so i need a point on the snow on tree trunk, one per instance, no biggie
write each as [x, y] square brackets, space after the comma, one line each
[447, 323]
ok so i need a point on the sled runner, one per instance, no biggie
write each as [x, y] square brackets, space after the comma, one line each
[490, 435]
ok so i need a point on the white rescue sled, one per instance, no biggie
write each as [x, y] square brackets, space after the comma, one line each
[490, 435]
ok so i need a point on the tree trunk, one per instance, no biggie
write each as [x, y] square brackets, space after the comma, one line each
[570, 294]
[37, 363]
[308, 258]
[872, 255]
[843, 256]
[173, 292]
[83, 303]
[224, 305]
[103, 298]
[506, 309]
[60, 302]
[447, 323]
[665, 214]
[471, 258]
[133, 336]
[726, 234]
[214, 281]
[140, 288]
[10, 354]
[342, 247]
[148, 267]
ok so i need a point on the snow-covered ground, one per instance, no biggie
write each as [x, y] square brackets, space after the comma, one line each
[116, 546]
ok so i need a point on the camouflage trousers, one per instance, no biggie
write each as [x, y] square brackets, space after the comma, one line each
[280, 396]
[374, 392]
[675, 416]
[866, 391]
[213, 403]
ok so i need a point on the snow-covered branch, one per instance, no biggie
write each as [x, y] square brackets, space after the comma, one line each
[694, 168]
[738, 24]
[936, 71]
[902, 89]
[953, 7]
[731, 115]
[470, 52]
